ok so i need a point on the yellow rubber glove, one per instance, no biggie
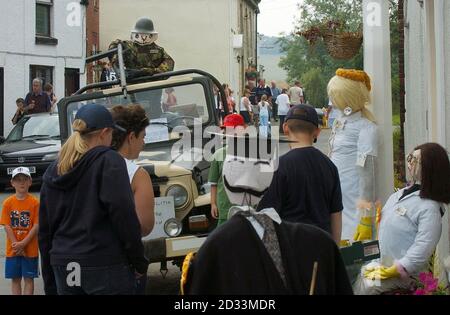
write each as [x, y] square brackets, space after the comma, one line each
[381, 272]
[364, 229]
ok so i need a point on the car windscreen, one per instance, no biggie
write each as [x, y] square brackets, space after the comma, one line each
[37, 127]
[166, 108]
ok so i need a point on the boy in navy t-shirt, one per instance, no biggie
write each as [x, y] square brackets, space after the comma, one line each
[306, 188]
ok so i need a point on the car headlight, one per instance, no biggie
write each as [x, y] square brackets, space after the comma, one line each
[172, 227]
[179, 194]
[50, 157]
[1, 160]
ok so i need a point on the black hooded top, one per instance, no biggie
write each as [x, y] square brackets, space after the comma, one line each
[88, 216]
[234, 261]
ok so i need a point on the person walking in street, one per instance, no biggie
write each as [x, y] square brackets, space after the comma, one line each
[296, 94]
[264, 109]
[134, 120]
[245, 107]
[283, 107]
[37, 101]
[20, 217]
[87, 216]
[306, 188]
[275, 93]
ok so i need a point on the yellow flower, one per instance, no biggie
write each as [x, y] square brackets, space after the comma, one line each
[355, 75]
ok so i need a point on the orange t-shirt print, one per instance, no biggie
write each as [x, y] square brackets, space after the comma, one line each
[21, 216]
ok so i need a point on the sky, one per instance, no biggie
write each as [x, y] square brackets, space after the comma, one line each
[277, 16]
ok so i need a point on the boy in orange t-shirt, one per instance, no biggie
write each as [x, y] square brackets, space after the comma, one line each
[20, 216]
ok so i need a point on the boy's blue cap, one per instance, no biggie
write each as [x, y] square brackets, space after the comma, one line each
[96, 117]
[303, 112]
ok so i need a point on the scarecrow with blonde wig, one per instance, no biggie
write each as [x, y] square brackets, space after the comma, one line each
[353, 149]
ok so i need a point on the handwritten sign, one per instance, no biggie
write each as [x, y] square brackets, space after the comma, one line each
[155, 132]
[164, 210]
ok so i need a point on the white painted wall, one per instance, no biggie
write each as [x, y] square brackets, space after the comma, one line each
[427, 70]
[196, 33]
[18, 49]
[447, 68]
[416, 109]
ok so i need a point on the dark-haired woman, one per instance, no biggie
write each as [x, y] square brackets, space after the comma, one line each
[129, 144]
[410, 226]
[133, 119]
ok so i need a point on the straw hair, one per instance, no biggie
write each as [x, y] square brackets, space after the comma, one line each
[344, 92]
[74, 148]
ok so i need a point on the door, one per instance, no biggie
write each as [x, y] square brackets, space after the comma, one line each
[72, 81]
[2, 108]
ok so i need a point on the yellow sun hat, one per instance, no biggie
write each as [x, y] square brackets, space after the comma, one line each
[355, 75]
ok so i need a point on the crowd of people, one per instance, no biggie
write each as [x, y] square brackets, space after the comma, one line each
[260, 104]
[96, 204]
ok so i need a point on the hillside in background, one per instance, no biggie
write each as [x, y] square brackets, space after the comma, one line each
[269, 55]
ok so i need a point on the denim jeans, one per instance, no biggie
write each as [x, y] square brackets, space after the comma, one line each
[105, 280]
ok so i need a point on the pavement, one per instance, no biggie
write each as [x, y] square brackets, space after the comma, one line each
[157, 284]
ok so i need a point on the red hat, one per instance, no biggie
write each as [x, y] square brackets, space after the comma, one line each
[233, 121]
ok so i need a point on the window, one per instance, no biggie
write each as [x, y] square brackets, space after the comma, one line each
[71, 81]
[43, 17]
[44, 73]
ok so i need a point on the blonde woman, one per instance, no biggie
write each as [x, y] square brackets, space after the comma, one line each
[353, 149]
[87, 214]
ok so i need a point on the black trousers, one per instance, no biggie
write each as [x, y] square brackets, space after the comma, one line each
[274, 110]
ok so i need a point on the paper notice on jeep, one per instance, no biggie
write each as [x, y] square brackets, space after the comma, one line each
[157, 131]
[164, 210]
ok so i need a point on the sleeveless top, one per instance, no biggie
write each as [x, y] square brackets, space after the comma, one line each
[131, 168]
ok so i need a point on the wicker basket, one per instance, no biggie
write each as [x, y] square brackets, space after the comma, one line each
[343, 46]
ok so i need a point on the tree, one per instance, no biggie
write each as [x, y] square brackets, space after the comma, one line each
[314, 84]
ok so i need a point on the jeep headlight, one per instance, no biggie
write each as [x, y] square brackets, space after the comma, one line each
[179, 194]
[50, 157]
[172, 227]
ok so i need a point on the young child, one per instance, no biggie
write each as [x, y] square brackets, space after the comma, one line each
[20, 112]
[20, 216]
[264, 108]
[306, 187]
[220, 204]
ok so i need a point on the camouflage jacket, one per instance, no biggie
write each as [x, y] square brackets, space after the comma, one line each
[151, 59]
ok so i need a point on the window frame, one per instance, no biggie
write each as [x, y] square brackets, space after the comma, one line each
[48, 4]
[34, 69]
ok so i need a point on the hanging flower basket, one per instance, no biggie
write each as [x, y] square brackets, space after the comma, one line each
[340, 43]
[343, 46]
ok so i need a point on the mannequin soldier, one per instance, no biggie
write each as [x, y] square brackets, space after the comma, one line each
[142, 57]
[141, 54]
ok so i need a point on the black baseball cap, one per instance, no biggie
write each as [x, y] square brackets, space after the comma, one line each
[303, 112]
[96, 117]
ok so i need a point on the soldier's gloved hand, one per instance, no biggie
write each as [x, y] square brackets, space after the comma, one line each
[364, 229]
[381, 272]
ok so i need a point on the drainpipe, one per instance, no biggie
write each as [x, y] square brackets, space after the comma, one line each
[256, 39]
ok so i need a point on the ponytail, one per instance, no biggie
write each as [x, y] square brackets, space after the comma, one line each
[74, 148]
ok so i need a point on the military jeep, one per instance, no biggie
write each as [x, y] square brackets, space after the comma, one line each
[178, 173]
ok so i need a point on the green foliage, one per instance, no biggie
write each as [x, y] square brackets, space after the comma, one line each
[308, 63]
[396, 120]
[314, 83]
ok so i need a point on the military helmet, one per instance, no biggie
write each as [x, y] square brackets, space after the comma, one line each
[144, 26]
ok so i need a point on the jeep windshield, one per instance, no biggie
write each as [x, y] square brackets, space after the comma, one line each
[169, 109]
